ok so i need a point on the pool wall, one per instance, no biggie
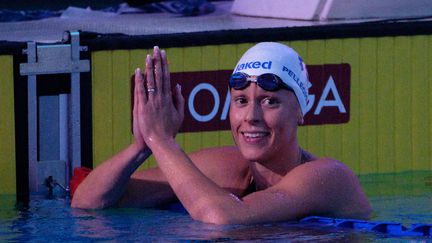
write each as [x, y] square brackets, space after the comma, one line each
[387, 130]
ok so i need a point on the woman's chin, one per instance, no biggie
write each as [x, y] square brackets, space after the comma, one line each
[253, 155]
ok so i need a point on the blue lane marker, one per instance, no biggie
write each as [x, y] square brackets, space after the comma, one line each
[390, 228]
[395, 229]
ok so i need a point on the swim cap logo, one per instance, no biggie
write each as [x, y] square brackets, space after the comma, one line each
[253, 65]
[296, 79]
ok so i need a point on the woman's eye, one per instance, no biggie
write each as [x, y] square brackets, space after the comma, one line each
[240, 100]
[270, 101]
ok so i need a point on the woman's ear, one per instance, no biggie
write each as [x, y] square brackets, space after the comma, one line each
[300, 120]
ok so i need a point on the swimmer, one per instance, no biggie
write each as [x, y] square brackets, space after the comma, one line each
[265, 177]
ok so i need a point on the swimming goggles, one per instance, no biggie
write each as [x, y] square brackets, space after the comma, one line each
[267, 81]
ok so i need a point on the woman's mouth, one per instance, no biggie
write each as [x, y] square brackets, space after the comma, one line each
[254, 136]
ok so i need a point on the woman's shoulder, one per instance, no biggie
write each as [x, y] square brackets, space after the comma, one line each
[323, 163]
[325, 168]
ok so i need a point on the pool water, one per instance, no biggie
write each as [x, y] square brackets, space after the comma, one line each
[402, 198]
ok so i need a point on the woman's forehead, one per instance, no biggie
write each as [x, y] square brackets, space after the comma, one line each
[254, 89]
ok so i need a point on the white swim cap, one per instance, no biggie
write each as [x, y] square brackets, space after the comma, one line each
[281, 60]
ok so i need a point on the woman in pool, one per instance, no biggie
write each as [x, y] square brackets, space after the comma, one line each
[266, 177]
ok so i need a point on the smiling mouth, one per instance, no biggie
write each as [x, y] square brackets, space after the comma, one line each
[252, 135]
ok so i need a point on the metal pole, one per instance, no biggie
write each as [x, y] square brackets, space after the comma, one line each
[64, 134]
[76, 98]
[32, 106]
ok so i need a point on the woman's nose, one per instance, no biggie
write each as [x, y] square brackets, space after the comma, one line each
[253, 113]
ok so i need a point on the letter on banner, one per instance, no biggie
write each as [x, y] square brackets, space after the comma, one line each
[330, 86]
[194, 113]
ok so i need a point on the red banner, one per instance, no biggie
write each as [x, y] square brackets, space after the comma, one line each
[207, 97]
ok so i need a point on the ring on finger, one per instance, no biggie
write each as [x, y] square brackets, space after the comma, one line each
[151, 90]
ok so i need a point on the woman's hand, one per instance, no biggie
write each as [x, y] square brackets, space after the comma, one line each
[138, 137]
[159, 114]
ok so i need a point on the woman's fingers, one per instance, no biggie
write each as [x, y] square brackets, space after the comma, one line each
[149, 73]
[135, 100]
[166, 75]
[179, 106]
[139, 98]
[158, 114]
[179, 101]
[157, 63]
[139, 92]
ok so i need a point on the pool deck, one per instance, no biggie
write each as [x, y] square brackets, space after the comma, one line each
[50, 30]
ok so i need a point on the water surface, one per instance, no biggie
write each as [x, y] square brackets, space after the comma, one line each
[403, 198]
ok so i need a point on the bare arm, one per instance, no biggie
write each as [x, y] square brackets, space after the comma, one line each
[222, 165]
[322, 187]
[115, 182]
[159, 119]
[104, 186]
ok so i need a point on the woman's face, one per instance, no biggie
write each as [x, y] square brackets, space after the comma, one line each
[264, 123]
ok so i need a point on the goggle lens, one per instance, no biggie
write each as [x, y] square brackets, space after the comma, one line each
[266, 81]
